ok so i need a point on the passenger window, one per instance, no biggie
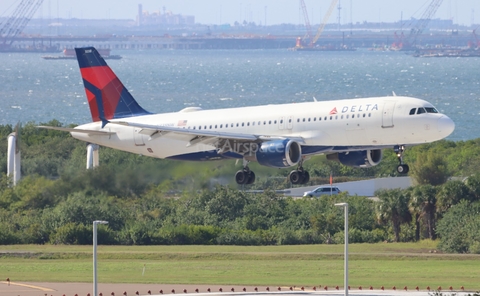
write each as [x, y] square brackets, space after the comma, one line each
[200, 127]
[269, 122]
[281, 121]
[420, 111]
[303, 120]
[308, 119]
[243, 123]
[248, 123]
[221, 125]
[290, 120]
[412, 111]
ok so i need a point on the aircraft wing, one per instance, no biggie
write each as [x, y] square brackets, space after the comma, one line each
[200, 136]
[76, 130]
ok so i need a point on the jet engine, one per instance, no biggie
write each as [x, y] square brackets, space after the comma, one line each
[279, 153]
[363, 159]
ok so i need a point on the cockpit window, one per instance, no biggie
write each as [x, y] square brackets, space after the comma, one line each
[431, 110]
[413, 111]
[420, 111]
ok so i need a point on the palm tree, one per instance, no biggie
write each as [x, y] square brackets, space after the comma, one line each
[393, 207]
[424, 198]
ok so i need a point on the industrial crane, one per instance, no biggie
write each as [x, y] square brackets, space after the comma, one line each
[308, 36]
[420, 25]
[15, 24]
[324, 21]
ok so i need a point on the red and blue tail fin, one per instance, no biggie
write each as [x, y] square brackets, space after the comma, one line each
[107, 96]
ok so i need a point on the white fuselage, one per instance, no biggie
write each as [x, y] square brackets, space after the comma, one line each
[341, 125]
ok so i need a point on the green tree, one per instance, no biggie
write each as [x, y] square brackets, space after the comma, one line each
[451, 193]
[430, 168]
[423, 199]
[459, 229]
[393, 207]
[473, 183]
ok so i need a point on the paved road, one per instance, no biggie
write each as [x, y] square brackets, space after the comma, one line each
[83, 289]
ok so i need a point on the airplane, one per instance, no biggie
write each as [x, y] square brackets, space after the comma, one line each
[351, 131]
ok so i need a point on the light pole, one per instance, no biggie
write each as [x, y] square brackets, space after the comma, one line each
[95, 290]
[345, 271]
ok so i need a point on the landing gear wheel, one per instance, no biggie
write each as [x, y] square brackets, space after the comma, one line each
[245, 177]
[306, 177]
[295, 177]
[251, 178]
[241, 177]
[299, 177]
[403, 169]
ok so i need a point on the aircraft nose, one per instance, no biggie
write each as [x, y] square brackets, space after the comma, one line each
[445, 125]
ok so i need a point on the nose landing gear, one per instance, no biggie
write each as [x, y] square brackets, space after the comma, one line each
[401, 168]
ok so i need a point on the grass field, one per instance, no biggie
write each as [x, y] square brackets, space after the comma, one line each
[405, 264]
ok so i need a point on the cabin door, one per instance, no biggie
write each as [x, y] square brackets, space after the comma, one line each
[387, 116]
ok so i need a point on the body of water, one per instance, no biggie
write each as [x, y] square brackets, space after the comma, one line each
[33, 89]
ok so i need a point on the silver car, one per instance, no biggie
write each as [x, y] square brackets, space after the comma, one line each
[322, 190]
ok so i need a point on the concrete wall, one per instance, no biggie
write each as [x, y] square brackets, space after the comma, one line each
[362, 188]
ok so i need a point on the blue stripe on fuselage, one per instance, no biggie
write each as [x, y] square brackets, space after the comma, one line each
[306, 150]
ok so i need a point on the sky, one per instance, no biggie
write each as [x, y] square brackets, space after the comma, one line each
[272, 12]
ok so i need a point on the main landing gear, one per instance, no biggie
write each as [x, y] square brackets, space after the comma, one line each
[401, 168]
[299, 176]
[245, 176]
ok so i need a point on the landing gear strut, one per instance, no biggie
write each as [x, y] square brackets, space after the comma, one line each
[245, 176]
[401, 168]
[299, 176]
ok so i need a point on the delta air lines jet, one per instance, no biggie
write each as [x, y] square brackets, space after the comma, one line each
[353, 132]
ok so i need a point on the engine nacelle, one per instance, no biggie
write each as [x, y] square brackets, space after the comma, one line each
[279, 153]
[362, 159]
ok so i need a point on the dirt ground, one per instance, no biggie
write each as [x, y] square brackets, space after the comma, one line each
[84, 289]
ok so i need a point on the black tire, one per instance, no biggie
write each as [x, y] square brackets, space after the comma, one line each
[241, 177]
[403, 169]
[295, 177]
[251, 178]
[306, 177]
